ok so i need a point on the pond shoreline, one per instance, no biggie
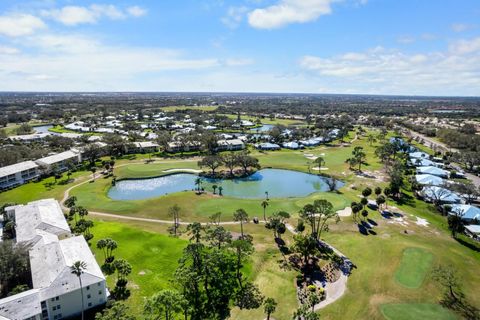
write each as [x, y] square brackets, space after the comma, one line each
[264, 183]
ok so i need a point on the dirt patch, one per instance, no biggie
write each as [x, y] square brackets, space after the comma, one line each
[133, 285]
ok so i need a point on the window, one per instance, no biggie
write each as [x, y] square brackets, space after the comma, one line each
[57, 298]
[100, 292]
[88, 287]
[89, 304]
[54, 308]
[89, 296]
[53, 299]
[58, 307]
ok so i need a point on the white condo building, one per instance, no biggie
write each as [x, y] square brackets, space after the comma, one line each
[53, 250]
[16, 174]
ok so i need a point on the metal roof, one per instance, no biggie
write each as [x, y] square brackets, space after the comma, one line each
[18, 167]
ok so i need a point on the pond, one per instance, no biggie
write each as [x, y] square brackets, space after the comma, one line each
[42, 129]
[277, 182]
[263, 128]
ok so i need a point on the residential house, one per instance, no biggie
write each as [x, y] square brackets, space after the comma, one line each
[267, 146]
[230, 145]
[28, 138]
[143, 147]
[468, 213]
[428, 180]
[177, 146]
[439, 194]
[291, 145]
[433, 171]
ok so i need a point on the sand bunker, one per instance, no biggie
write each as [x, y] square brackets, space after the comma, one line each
[422, 222]
[345, 212]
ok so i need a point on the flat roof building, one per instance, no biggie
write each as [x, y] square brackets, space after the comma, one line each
[60, 160]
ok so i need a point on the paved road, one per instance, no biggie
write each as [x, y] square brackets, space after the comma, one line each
[429, 142]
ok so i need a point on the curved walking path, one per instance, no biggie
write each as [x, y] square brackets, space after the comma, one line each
[334, 290]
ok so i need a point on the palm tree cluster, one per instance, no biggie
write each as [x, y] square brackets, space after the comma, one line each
[78, 214]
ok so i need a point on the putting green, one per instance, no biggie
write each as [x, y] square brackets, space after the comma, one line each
[414, 266]
[408, 311]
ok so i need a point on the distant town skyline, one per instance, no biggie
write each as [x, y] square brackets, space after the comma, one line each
[311, 46]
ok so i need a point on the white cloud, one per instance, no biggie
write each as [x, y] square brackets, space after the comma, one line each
[383, 71]
[16, 25]
[40, 77]
[75, 15]
[77, 62]
[8, 50]
[236, 62]
[71, 15]
[405, 39]
[465, 46]
[107, 10]
[234, 16]
[460, 27]
[289, 11]
[136, 11]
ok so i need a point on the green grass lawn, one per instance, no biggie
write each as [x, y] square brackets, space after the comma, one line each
[284, 122]
[413, 268]
[61, 129]
[37, 190]
[153, 258]
[408, 311]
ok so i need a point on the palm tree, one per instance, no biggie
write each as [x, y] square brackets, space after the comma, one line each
[214, 187]
[198, 183]
[220, 189]
[266, 195]
[264, 205]
[269, 306]
[320, 162]
[77, 269]
[371, 138]
[241, 216]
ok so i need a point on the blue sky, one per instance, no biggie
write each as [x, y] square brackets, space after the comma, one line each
[411, 47]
